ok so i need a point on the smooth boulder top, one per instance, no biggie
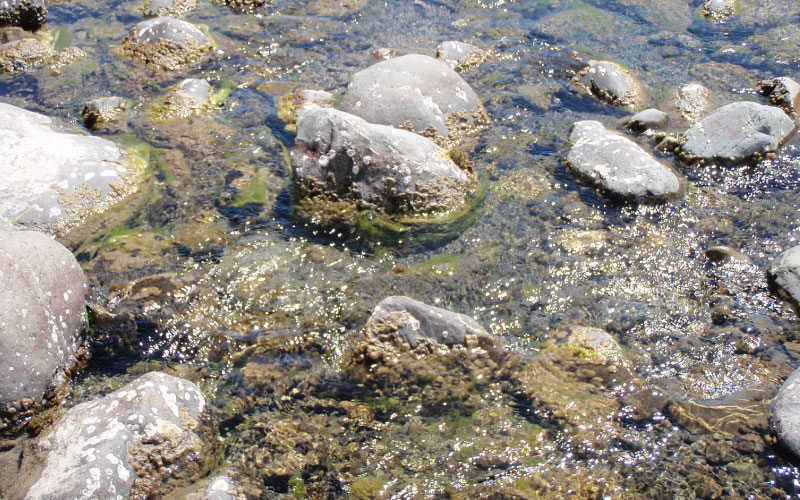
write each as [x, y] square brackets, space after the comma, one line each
[422, 321]
[51, 180]
[786, 413]
[151, 31]
[737, 132]
[608, 81]
[649, 119]
[27, 14]
[341, 156]
[166, 42]
[41, 315]
[195, 89]
[413, 89]
[785, 271]
[619, 165]
[99, 448]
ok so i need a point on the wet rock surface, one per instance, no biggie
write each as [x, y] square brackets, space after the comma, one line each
[41, 319]
[786, 413]
[340, 157]
[785, 271]
[416, 90]
[168, 8]
[618, 165]
[693, 102]
[98, 112]
[51, 180]
[460, 56]
[718, 9]
[244, 5]
[192, 96]
[784, 92]
[166, 43]
[737, 132]
[127, 443]
[24, 55]
[649, 119]
[27, 14]
[608, 81]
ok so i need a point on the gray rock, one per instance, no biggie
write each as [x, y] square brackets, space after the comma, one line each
[693, 102]
[192, 96]
[649, 119]
[610, 82]
[339, 156]
[786, 413]
[302, 100]
[413, 90]
[41, 316]
[619, 165]
[166, 43]
[51, 180]
[132, 439]
[24, 55]
[594, 341]
[785, 271]
[460, 55]
[784, 92]
[173, 8]
[420, 321]
[722, 253]
[737, 132]
[27, 14]
[223, 486]
[718, 9]
[98, 112]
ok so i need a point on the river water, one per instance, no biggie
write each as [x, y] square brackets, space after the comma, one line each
[205, 272]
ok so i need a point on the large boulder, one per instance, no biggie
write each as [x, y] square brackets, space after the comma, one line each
[786, 413]
[785, 272]
[124, 444]
[41, 318]
[413, 91]
[619, 165]
[166, 43]
[415, 321]
[737, 132]
[27, 14]
[610, 82]
[51, 180]
[338, 156]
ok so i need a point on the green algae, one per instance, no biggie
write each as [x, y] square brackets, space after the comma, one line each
[368, 487]
[254, 192]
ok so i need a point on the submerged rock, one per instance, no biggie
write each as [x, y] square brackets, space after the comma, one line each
[24, 55]
[244, 5]
[41, 317]
[718, 9]
[610, 82]
[592, 341]
[786, 413]
[619, 165]
[784, 92]
[340, 157]
[302, 100]
[98, 112]
[172, 8]
[192, 96]
[785, 272]
[124, 444]
[649, 119]
[27, 14]
[460, 55]
[166, 43]
[51, 180]
[223, 486]
[736, 132]
[693, 102]
[722, 253]
[416, 92]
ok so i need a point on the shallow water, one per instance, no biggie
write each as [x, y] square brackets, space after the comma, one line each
[209, 275]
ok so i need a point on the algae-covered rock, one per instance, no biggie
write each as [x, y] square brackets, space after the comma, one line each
[784, 92]
[460, 56]
[243, 5]
[693, 102]
[98, 112]
[296, 102]
[166, 43]
[126, 443]
[416, 90]
[339, 157]
[192, 96]
[718, 9]
[24, 55]
[610, 82]
[737, 132]
[171, 8]
[27, 14]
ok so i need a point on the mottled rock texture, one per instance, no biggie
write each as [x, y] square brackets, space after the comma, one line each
[166, 43]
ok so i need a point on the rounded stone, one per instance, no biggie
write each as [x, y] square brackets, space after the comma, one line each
[166, 43]
[610, 82]
[786, 413]
[785, 272]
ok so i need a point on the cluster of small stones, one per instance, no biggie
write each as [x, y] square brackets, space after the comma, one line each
[29, 53]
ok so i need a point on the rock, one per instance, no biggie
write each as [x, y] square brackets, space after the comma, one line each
[786, 413]
[338, 156]
[172, 8]
[619, 165]
[693, 102]
[166, 43]
[785, 272]
[192, 96]
[24, 55]
[415, 321]
[243, 5]
[610, 82]
[97, 112]
[27, 14]
[41, 316]
[736, 132]
[124, 444]
[718, 9]
[592, 341]
[784, 92]
[415, 92]
[649, 119]
[384, 54]
[459, 55]
[724, 254]
[302, 100]
[223, 486]
[51, 180]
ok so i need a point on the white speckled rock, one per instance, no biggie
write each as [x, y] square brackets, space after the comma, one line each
[412, 88]
[786, 413]
[619, 165]
[785, 271]
[737, 132]
[105, 448]
[41, 314]
[693, 102]
[51, 180]
[460, 55]
[610, 82]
